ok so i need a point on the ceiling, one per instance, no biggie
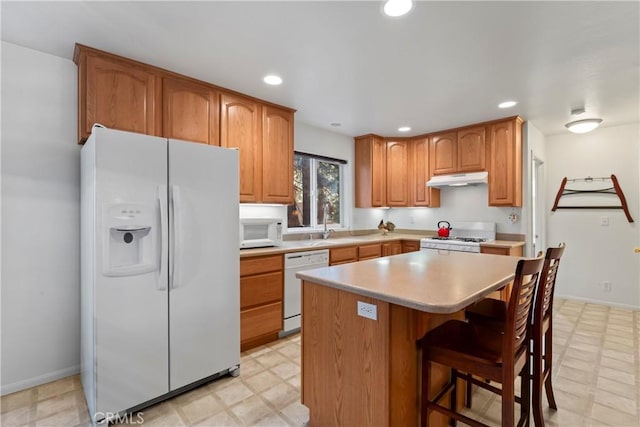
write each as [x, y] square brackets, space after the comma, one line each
[445, 64]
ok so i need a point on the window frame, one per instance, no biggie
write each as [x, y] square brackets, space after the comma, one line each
[314, 159]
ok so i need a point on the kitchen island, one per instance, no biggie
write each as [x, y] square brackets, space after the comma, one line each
[364, 371]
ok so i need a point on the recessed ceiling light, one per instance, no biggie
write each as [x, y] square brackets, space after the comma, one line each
[272, 79]
[583, 126]
[507, 104]
[396, 8]
[404, 129]
[335, 124]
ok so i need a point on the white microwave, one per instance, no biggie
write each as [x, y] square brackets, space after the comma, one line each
[260, 232]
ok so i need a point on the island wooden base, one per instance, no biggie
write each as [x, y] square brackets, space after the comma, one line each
[362, 372]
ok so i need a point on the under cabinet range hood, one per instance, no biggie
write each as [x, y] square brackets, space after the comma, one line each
[458, 179]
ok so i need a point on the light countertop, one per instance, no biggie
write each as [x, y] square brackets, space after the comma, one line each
[431, 281]
[333, 242]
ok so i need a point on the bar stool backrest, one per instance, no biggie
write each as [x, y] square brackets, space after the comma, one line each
[519, 311]
[546, 287]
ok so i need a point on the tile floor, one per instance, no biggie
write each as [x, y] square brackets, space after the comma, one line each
[596, 380]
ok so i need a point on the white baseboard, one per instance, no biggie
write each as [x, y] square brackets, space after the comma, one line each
[41, 379]
[599, 302]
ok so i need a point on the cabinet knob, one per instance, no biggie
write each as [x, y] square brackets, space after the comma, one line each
[637, 250]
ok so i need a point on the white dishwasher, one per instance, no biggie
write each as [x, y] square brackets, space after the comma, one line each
[293, 263]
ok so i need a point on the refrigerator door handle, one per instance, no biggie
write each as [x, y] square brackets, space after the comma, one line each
[164, 231]
[177, 243]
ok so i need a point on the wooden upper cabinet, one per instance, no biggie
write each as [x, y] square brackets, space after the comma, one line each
[471, 149]
[419, 193]
[240, 127]
[189, 111]
[443, 152]
[124, 94]
[458, 151]
[370, 171]
[116, 94]
[277, 155]
[397, 173]
[505, 163]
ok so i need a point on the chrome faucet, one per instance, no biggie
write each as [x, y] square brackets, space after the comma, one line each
[325, 232]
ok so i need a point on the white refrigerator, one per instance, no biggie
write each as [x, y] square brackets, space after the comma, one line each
[160, 296]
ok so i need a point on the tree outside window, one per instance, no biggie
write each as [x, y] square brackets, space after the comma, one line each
[317, 182]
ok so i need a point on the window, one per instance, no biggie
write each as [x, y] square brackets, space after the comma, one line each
[317, 183]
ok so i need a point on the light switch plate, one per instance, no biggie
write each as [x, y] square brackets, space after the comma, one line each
[370, 311]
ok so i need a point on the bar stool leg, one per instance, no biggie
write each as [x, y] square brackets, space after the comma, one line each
[525, 392]
[424, 415]
[548, 359]
[453, 400]
[537, 381]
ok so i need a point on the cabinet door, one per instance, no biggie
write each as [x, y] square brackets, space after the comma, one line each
[117, 95]
[277, 155]
[505, 164]
[397, 182]
[189, 112]
[373, 250]
[391, 248]
[379, 172]
[471, 149]
[370, 173]
[419, 193]
[410, 246]
[240, 128]
[343, 255]
[443, 153]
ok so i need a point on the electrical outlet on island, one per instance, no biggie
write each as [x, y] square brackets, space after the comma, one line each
[370, 311]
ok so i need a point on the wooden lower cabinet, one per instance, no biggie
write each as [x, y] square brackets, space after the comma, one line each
[495, 250]
[343, 255]
[261, 300]
[359, 372]
[371, 251]
[410, 246]
[391, 248]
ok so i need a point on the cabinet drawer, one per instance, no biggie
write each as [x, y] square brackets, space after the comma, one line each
[260, 321]
[369, 251]
[263, 264]
[343, 255]
[260, 289]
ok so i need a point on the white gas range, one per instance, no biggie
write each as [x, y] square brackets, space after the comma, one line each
[464, 237]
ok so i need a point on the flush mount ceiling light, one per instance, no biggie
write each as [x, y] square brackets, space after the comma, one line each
[404, 129]
[507, 104]
[272, 79]
[396, 8]
[583, 126]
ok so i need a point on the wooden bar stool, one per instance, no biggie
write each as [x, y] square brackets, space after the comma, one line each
[477, 350]
[491, 313]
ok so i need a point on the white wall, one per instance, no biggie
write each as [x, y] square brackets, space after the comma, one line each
[596, 253]
[40, 219]
[470, 203]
